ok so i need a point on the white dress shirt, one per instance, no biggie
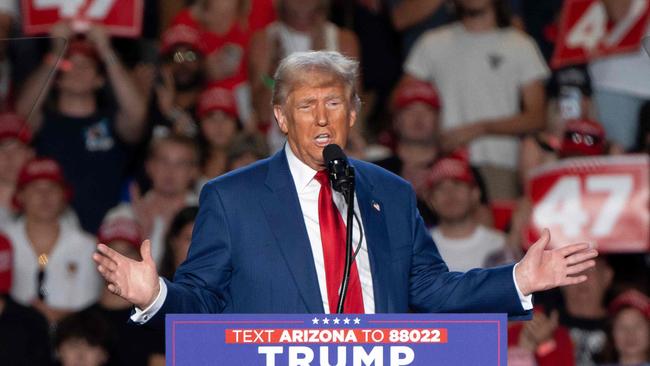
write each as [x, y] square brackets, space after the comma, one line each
[308, 189]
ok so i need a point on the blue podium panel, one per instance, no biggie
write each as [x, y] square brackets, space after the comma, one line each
[336, 339]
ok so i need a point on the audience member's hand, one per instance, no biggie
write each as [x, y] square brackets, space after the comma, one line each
[542, 269]
[459, 137]
[100, 39]
[538, 330]
[134, 281]
[165, 91]
[60, 32]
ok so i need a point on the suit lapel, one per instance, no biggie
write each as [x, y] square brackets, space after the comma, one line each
[283, 212]
[372, 215]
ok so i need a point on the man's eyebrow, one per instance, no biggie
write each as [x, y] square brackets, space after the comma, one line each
[333, 96]
[306, 100]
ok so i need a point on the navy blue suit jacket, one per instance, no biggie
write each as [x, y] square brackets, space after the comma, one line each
[250, 252]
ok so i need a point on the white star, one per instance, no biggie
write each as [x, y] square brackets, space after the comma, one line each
[326, 321]
[346, 321]
[357, 320]
[314, 321]
[337, 320]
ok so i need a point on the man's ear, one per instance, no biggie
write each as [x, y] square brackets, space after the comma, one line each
[353, 117]
[281, 119]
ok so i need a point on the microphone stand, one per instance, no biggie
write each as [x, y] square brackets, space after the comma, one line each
[348, 195]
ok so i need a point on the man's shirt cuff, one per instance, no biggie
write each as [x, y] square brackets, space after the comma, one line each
[142, 316]
[526, 301]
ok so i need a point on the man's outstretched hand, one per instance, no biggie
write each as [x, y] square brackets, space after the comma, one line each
[135, 281]
[543, 269]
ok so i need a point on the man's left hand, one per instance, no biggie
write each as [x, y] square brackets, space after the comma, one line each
[543, 269]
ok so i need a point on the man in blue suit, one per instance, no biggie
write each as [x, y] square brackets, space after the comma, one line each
[258, 244]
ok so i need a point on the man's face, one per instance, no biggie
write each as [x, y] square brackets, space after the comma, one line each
[13, 155]
[78, 352]
[593, 289]
[43, 200]
[417, 122]
[82, 77]
[172, 168]
[187, 67]
[453, 200]
[318, 112]
[631, 332]
[302, 8]
[215, 9]
[218, 128]
[474, 6]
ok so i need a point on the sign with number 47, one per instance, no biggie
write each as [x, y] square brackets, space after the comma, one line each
[586, 32]
[119, 17]
[602, 200]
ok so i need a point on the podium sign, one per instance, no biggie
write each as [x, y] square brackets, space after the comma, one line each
[336, 339]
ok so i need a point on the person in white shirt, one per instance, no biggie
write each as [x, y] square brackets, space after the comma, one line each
[173, 166]
[463, 242]
[490, 77]
[53, 270]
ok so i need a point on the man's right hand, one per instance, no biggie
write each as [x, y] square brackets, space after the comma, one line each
[134, 281]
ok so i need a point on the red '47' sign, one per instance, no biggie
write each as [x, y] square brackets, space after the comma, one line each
[120, 17]
[603, 200]
[585, 32]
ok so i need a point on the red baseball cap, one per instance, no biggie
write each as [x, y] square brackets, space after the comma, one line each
[583, 137]
[40, 168]
[416, 91]
[216, 99]
[120, 228]
[451, 168]
[6, 264]
[181, 35]
[631, 299]
[12, 126]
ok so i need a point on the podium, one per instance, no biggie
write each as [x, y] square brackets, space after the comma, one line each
[336, 339]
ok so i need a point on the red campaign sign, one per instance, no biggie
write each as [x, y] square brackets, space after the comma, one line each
[585, 32]
[120, 17]
[600, 200]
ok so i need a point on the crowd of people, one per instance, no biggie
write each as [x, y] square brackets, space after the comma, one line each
[102, 142]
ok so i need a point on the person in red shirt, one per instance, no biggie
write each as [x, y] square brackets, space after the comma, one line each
[225, 37]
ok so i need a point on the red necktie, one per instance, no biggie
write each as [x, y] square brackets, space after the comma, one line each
[332, 234]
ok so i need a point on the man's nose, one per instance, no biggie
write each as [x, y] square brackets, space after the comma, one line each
[321, 114]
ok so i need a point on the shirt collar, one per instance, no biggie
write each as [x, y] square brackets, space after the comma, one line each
[302, 173]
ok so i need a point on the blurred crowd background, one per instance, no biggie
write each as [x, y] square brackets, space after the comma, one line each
[109, 139]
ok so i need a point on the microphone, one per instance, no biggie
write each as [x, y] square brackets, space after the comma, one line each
[340, 172]
[342, 178]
